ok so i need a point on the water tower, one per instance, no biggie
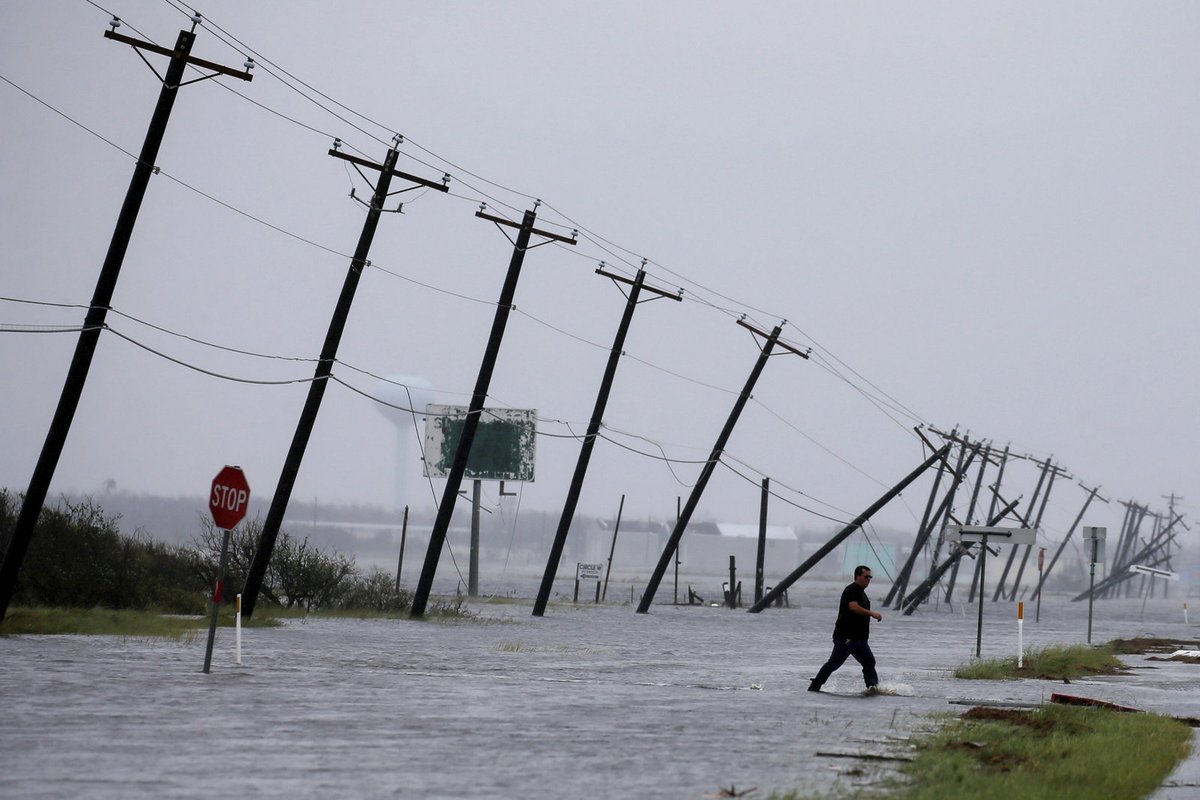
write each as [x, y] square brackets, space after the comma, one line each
[404, 398]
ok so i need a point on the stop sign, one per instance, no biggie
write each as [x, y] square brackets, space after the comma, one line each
[229, 498]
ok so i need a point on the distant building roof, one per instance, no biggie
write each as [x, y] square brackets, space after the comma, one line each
[736, 530]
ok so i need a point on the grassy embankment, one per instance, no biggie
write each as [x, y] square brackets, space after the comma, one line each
[110, 622]
[1054, 752]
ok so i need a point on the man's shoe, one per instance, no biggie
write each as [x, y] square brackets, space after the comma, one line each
[812, 687]
[872, 690]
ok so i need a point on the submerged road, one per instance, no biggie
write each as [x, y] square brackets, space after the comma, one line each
[586, 701]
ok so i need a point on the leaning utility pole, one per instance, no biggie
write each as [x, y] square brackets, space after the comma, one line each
[919, 595]
[937, 482]
[969, 517]
[458, 468]
[965, 458]
[94, 321]
[333, 337]
[714, 457]
[855, 524]
[1055, 471]
[1012, 555]
[1092, 494]
[589, 438]
[995, 490]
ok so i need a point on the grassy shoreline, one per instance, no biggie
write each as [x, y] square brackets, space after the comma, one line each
[24, 620]
[1053, 752]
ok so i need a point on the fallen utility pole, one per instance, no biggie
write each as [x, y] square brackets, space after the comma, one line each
[933, 490]
[918, 595]
[1012, 555]
[964, 463]
[714, 457]
[969, 517]
[593, 429]
[857, 523]
[1121, 574]
[1055, 471]
[1134, 516]
[1092, 494]
[94, 321]
[995, 489]
[333, 337]
[458, 468]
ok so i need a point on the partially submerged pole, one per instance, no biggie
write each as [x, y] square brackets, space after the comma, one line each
[711, 464]
[857, 523]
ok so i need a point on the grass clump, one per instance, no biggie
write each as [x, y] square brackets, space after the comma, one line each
[99, 622]
[1057, 662]
[1058, 752]
[1051, 753]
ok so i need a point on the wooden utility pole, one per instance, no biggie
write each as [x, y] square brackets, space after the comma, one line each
[94, 321]
[333, 337]
[714, 458]
[589, 438]
[854, 525]
[458, 468]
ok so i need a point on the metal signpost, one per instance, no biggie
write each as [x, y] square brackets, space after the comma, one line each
[1041, 577]
[1093, 542]
[503, 448]
[228, 501]
[1153, 572]
[981, 534]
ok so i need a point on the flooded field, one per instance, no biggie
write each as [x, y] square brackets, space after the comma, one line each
[588, 701]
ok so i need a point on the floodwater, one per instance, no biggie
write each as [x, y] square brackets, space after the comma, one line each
[587, 701]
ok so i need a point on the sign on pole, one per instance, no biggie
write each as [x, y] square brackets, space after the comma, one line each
[587, 572]
[504, 447]
[968, 534]
[1093, 542]
[1154, 572]
[229, 497]
[980, 533]
[227, 500]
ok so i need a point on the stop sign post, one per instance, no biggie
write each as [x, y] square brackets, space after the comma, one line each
[228, 499]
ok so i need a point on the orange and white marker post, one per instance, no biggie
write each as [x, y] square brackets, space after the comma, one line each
[1021, 635]
[238, 617]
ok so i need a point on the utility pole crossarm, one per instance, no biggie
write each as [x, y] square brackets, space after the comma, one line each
[197, 62]
[778, 341]
[547, 234]
[362, 162]
[677, 296]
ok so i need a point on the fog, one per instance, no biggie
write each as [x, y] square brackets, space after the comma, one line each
[975, 217]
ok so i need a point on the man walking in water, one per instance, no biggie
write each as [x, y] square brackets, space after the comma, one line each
[850, 632]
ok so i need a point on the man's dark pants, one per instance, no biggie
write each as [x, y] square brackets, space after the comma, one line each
[843, 649]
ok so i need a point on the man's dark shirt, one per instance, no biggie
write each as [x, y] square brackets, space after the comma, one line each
[850, 625]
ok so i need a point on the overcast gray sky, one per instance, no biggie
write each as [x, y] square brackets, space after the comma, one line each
[981, 215]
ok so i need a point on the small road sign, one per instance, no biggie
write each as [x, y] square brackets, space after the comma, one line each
[994, 535]
[229, 497]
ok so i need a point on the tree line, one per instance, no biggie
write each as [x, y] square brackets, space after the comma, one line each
[79, 558]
